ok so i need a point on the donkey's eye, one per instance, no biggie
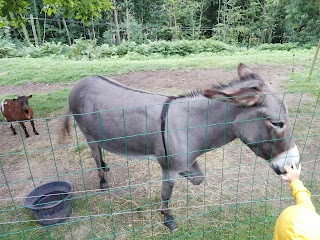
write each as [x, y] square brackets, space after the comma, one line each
[278, 124]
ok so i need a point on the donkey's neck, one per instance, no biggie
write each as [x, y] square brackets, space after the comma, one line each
[210, 122]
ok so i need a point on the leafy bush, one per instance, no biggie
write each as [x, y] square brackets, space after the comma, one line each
[51, 48]
[106, 51]
[82, 49]
[34, 52]
[89, 49]
[7, 46]
[7, 49]
[278, 46]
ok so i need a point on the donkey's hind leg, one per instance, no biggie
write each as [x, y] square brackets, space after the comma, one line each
[168, 180]
[97, 155]
[103, 163]
[195, 175]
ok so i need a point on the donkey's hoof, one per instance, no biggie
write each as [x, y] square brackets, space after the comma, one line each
[103, 184]
[170, 223]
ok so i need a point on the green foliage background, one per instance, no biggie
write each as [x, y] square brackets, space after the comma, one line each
[243, 22]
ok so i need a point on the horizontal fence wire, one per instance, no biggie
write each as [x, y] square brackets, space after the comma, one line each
[240, 197]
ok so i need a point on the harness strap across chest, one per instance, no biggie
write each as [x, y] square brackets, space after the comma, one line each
[163, 122]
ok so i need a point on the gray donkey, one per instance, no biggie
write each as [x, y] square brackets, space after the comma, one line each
[176, 130]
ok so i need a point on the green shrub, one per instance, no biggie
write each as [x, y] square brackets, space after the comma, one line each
[51, 48]
[278, 46]
[7, 46]
[89, 49]
[32, 51]
[82, 49]
[106, 51]
[7, 49]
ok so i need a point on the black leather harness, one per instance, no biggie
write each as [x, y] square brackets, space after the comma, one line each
[163, 121]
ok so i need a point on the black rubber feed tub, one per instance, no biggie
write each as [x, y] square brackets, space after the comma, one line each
[50, 203]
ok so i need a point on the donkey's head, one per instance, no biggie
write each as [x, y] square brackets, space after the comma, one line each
[261, 119]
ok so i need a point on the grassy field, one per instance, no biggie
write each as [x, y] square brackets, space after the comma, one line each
[50, 70]
[243, 220]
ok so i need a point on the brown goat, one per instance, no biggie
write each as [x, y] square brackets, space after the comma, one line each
[18, 110]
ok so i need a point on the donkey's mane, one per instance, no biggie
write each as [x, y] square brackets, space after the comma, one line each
[191, 94]
[252, 76]
[199, 92]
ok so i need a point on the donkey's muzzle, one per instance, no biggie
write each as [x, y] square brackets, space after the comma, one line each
[289, 158]
[277, 171]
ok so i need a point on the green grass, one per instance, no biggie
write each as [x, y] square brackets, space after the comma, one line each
[302, 82]
[224, 223]
[91, 218]
[50, 104]
[50, 70]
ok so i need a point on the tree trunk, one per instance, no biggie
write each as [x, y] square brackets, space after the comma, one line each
[35, 36]
[36, 14]
[25, 33]
[93, 30]
[225, 9]
[127, 21]
[67, 30]
[175, 25]
[263, 32]
[44, 27]
[116, 22]
[200, 18]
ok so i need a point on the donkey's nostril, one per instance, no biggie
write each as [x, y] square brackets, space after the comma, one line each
[277, 170]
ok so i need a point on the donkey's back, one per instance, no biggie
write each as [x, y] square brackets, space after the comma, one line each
[106, 112]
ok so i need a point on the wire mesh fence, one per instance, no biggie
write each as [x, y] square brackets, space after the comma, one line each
[240, 198]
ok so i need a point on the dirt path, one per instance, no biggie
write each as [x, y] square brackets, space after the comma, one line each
[164, 80]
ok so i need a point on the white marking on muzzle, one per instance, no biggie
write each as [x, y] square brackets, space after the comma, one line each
[288, 157]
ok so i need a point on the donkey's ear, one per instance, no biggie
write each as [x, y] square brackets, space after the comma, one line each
[242, 96]
[246, 73]
[30, 96]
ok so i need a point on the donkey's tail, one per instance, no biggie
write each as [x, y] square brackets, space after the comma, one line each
[65, 129]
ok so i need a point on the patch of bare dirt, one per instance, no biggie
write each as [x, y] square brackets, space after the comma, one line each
[31, 88]
[164, 81]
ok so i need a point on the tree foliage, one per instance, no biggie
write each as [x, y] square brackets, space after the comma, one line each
[83, 10]
[244, 22]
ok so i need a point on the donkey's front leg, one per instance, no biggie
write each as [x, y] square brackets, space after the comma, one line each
[168, 180]
[195, 175]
